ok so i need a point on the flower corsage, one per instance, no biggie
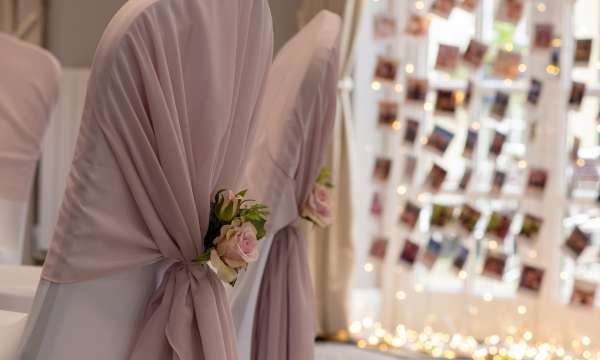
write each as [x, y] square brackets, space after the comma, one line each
[235, 227]
[318, 208]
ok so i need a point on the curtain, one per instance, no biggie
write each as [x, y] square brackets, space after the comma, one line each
[331, 250]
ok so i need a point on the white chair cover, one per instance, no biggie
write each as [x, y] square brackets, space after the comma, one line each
[296, 125]
[29, 83]
[170, 110]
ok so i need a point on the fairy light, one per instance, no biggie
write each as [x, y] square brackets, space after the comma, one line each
[428, 106]
[398, 88]
[493, 245]
[401, 190]
[580, 162]
[564, 275]
[409, 68]
[509, 47]
[507, 82]
[522, 310]
[533, 254]
[555, 42]
[475, 125]
[487, 297]
[528, 335]
[541, 7]
[396, 125]
[419, 288]
[368, 267]
[586, 340]
[422, 197]
[462, 274]
[522, 68]
[400, 295]
[419, 5]
[522, 164]
[598, 128]
[598, 65]
[424, 140]
[375, 85]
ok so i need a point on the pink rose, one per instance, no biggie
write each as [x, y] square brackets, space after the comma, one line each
[237, 245]
[319, 206]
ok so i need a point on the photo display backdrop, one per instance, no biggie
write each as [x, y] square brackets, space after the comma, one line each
[484, 211]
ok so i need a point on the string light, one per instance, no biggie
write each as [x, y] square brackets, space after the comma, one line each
[509, 47]
[428, 106]
[396, 125]
[409, 68]
[522, 68]
[580, 162]
[401, 190]
[522, 310]
[564, 276]
[368, 267]
[400, 295]
[419, 5]
[541, 7]
[488, 297]
[475, 125]
[375, 85]
[398, 88]
[522, 164]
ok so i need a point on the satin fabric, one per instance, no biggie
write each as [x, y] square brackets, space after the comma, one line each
[169, 116]
[273, 303]
[29, 87]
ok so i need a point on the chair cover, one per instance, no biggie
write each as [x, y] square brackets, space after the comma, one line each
[29, 79]
[169, 115]
[296, 127]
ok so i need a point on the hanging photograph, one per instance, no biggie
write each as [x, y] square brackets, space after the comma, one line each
[576, 243]
[468, 92]
[534, 92]
[460, 259]
[376, 205]
[497, 143]
[410, 215]
[386, 69]
[416, 90]
[388, 113]
[442, 8]
[506, 65]
[498, 181]
[499, 225]
[583, 51]
[536, 181]
[583, 294]
[542, 36]
[499, 106]
[384, 26]
[531, 279]
[410, 164]
[510, 11]
[381, 172]
[431, 254]
[447, 58]
[378, 248]
[470, 143]
[436, 177]
[440, 139]
[441, 215]
[576, 95]
[475, 53]
[469, 5]
[411, 131]
[445, 102]
[530, 228]
[409, 253]
[417, 25]
[465, 179]
[494, 265]
[469, 217]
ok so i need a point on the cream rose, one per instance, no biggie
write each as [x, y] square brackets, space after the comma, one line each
[237, 245]
[319, 205]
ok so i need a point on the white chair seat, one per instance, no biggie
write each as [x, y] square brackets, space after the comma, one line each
[17, 287]
[12, 325]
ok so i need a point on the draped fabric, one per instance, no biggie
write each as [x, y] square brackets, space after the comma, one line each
[274, 311]
[28, 93]
[169, 116]
[331, 250]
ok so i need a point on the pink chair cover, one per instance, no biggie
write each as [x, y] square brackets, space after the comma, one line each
[29, 87]
[169, 116]
[296, 126]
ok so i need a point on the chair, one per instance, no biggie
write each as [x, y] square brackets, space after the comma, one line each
[29, 83]
[170, 112]
[272, 303]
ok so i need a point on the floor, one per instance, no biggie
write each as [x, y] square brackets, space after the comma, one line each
[327, 351]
